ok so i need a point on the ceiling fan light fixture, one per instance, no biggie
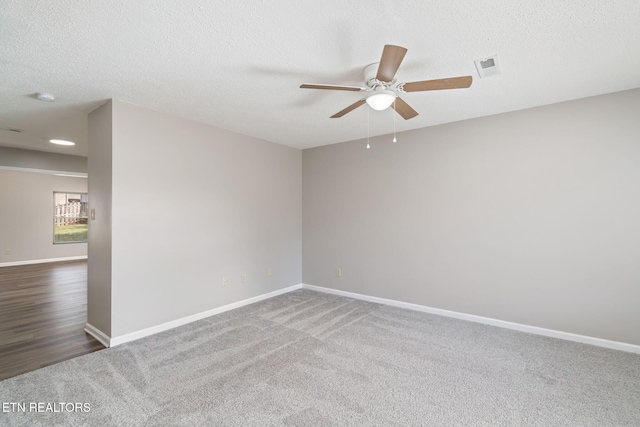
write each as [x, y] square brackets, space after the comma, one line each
[381, 100]
[380, 81]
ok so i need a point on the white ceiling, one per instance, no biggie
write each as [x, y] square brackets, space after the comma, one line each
[238, 65]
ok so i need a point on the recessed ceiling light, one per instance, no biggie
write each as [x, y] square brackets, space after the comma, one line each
[47, 97]
[61, 142]
[70, 175]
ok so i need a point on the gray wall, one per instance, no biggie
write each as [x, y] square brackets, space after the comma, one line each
[100, 179]
[529, 217]
[26, 216]
[191, 204]
[39, 160]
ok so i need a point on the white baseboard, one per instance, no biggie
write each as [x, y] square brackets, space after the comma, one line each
[42, 261]
[194, 317]
[111, 342]
[616, 345]
[97, 334]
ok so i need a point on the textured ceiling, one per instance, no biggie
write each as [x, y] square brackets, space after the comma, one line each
[238, 65]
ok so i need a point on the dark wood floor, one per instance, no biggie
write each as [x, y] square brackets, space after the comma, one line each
[43, 311]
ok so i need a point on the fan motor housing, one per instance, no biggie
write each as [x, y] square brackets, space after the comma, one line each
[369, 74]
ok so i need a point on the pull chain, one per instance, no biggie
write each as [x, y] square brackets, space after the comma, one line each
[368, 146]
[394, 121]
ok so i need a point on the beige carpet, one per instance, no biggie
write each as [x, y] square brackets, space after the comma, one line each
[311, 359]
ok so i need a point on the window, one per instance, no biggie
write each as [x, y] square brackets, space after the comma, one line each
[70, 217]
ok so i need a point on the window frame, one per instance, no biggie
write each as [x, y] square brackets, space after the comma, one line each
[54, 216]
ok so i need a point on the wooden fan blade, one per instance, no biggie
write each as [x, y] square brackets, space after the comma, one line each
[331, 87]
[450, 83]
[392, 57]
[404, 109]
[348, 109]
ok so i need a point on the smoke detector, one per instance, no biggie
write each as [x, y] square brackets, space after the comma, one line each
[488, 67]
[46, 97]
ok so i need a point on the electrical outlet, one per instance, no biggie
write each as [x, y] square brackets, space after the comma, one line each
[243, 278]
[338, 272]
[7, 251]
[225, 281]
[269, 272]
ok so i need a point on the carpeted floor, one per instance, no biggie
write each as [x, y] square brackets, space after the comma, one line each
[311, 359]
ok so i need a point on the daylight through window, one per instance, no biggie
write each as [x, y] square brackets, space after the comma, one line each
[70, 217]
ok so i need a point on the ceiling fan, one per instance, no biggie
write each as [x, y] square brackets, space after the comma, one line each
[380, 82]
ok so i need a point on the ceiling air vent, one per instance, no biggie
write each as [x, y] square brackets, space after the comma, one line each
[488, 67]
[11, 129]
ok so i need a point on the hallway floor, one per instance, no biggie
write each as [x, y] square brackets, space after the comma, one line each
[43, 311]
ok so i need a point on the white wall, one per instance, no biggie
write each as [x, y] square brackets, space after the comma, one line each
[100, 183]
[529, 217]
[26, 216]
[191, 204]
